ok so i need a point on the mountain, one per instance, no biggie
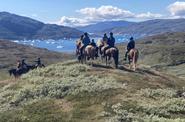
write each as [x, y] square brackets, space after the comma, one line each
[101, 26]
[151, 27]
[18, 27]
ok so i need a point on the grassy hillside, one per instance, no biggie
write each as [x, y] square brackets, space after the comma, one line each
[73, 92]
[164, 52]
[10, 52]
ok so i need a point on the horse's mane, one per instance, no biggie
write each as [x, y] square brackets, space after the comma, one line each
[99, 43]
[79, 43]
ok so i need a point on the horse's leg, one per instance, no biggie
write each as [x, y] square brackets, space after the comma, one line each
[85, 60]
[106, 60]
[134, 61]
[101, 58]
[130, 64]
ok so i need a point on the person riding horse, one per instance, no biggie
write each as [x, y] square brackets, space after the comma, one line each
[131, 45]
[109, 41]
[94, 45]
[23, 64]
[85, 41]
[18, 67]
[39, 64]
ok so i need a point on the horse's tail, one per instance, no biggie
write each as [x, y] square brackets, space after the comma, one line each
[116, 58]
[135, 55]
[43, 66]
[10, 72]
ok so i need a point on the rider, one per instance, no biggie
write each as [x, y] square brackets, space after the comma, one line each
[131, 45]
[38, 63]
[18, 65]
[86, 40]
[94, 45]
[23, 64]
[111, 40]
[105, 39]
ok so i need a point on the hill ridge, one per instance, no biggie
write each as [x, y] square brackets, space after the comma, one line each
[17, 27]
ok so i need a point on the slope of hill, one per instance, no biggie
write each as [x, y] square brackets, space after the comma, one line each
[101, 26]
[164, 52]
[18, 27]
[151, 27]
[10, 52]
[73, 92]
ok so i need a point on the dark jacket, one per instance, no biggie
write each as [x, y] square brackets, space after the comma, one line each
[86, 41]
[131, 45]
[105, 39]
[93, 44]
[111, 41]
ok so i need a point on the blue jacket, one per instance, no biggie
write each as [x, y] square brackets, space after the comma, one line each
[111, 41]
[131, 45]
[86, 41]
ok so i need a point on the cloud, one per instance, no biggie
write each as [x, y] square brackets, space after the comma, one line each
[106, 12]
[177, 9]
[72, 21]
[148, 15]
[92, 15]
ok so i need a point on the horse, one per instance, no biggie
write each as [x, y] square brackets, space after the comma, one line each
[133, 56]
[90, 53]
[17, 73]
[79, 54]
[114, 53]
[111, 52]
[13, 72]
[101, 46]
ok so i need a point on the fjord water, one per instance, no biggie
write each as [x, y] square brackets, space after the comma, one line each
[61, 45]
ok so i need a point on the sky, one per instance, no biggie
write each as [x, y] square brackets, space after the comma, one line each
[84, 12]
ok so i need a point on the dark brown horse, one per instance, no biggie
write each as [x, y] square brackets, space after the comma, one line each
[17, 73]
[133, 58]
[84, 54]
[111, 52]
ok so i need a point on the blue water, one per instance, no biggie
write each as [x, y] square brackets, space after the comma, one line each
[62, 45]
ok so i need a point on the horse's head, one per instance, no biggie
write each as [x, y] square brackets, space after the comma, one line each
[78, 46]
[99, 43]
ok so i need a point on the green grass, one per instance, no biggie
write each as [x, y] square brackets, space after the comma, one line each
[74, 92]
[4, 75]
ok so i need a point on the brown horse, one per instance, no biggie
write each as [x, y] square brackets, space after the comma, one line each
[112, 53]
[90, 53]
[84, 54]
[133, 58]
[101, 46]
[79, 51]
